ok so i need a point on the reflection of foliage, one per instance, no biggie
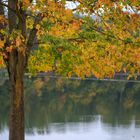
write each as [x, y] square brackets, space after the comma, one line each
[64, 100]
[131, 96]
[68, 100]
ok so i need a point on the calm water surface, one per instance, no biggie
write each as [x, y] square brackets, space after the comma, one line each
[62, 109]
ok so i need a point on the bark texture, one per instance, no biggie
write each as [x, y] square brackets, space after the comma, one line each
[15, 68]
[16, 71]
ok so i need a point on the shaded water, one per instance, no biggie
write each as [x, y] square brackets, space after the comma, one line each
[60, 109]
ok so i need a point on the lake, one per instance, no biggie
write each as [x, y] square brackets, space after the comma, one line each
[60, 109]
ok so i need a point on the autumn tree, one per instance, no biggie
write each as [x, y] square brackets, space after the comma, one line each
[46, 35]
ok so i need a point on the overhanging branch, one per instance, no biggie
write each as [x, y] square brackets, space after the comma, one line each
[113, 36]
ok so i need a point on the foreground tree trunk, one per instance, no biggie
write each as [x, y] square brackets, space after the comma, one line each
[16, 72]
[15, 66]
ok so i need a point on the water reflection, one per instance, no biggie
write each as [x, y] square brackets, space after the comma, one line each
[62, 108]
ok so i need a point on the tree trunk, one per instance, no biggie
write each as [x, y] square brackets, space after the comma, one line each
[16, 72]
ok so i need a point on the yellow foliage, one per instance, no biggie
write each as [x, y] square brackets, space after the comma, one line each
[25, 3]
[2, 65]
[18, 41]
[29, 23]
[1, 43]
[37, 26]
[109, 43]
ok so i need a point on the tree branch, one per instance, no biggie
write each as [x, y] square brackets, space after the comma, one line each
[5, 5]
[1, 9]
[31, 38]
[114, 37]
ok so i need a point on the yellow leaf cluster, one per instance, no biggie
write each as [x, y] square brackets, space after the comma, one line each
[65, 30]
[29, 23]
[2, 20]
[25, 3]
[2, 65]
[1, 44]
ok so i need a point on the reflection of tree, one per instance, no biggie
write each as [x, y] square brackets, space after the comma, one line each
[4, 105]
[131, 99]
[62, 100]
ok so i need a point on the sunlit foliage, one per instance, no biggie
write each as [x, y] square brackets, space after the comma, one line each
[98, 37]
